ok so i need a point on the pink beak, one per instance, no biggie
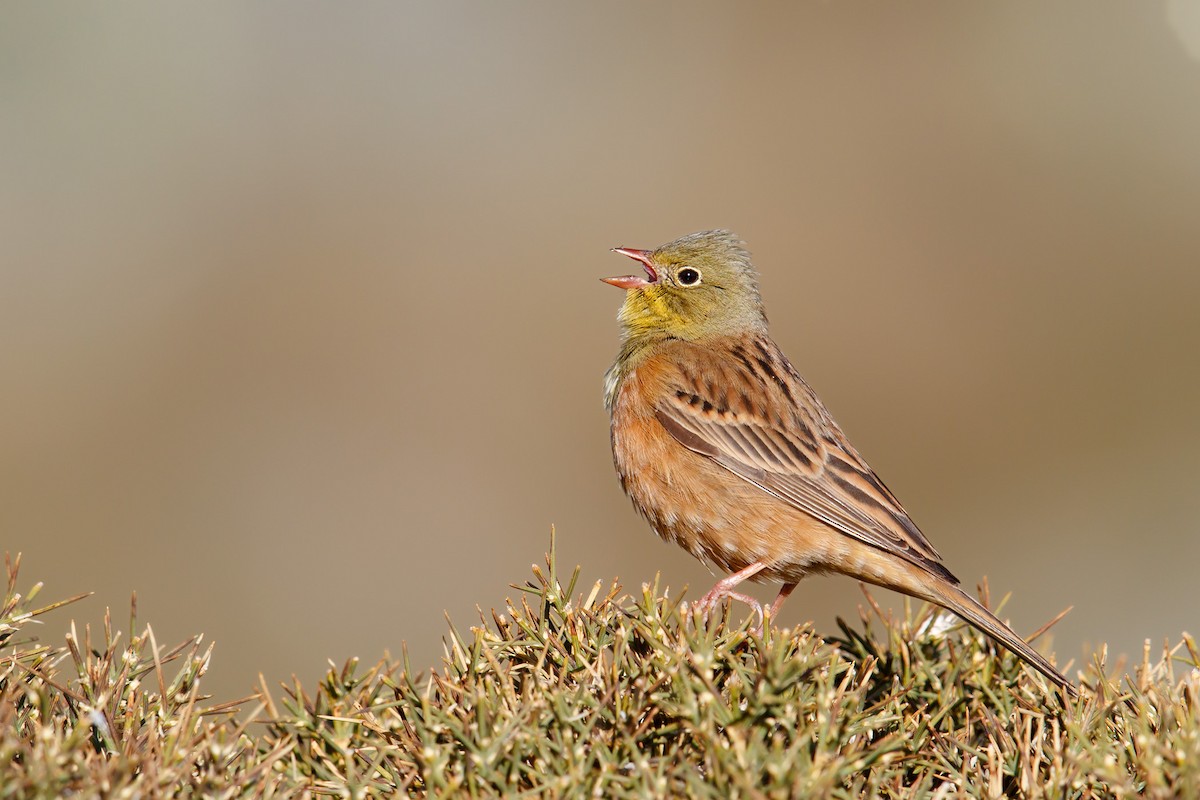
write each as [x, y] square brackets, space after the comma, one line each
[634, 281]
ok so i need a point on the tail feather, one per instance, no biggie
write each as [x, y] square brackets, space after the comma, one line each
[956, 600]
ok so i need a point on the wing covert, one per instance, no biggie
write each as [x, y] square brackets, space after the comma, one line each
[786, 443]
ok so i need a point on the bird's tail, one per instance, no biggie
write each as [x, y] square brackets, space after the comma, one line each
[956, 600]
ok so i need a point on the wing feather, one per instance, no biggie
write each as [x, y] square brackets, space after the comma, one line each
[788, 445]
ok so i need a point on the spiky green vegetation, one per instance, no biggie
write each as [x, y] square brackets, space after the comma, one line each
[599, 695]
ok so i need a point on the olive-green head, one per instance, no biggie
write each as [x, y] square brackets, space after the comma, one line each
[696, 287]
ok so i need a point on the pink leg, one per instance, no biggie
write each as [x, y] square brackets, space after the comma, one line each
[724, 588]
[784, 591]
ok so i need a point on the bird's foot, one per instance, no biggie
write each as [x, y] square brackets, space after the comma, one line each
[725, 588]
[718, 593]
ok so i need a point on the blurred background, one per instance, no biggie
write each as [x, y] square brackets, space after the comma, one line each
[301, 336]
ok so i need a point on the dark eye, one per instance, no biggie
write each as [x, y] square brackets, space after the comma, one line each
[688, 276]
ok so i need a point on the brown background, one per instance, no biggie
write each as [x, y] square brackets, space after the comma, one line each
[301, 337]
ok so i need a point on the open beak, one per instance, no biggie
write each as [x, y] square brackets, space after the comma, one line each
[634, 281]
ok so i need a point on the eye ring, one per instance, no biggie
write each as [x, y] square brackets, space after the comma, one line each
[688, 276]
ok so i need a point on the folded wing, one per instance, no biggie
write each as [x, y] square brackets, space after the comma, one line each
[774, 433]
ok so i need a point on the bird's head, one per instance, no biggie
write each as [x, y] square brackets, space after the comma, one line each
[699, 286]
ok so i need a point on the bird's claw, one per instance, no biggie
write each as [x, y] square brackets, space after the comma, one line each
[705, 604]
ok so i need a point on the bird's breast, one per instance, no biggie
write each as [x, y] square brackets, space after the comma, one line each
[692, 501]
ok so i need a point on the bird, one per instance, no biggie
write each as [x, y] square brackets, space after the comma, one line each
[729, 453]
